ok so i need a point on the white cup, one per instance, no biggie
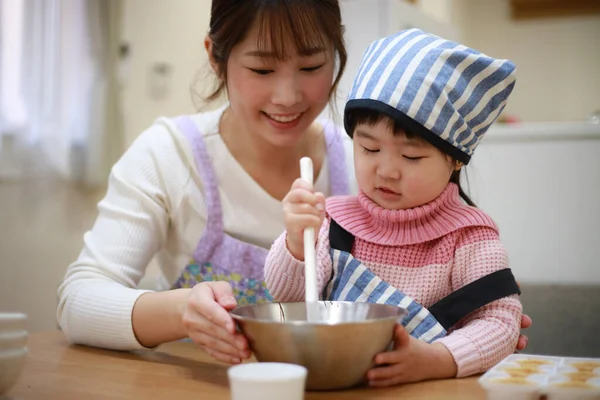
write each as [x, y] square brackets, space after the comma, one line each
[267, 381]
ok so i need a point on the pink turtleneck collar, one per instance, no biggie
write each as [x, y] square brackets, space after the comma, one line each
[366, 220]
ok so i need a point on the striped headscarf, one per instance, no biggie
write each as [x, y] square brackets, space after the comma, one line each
[445, 92]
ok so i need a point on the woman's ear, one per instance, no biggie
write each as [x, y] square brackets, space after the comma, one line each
[208, 45]
[458, 165]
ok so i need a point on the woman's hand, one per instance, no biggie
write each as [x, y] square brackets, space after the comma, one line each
[302, 208]
[207, 322]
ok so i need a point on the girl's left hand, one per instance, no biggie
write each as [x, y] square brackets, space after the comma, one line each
[412, 360]
[523, 339]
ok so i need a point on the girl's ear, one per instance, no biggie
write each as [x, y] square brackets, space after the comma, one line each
[453, 165]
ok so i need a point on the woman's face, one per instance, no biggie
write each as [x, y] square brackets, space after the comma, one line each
[277, 100]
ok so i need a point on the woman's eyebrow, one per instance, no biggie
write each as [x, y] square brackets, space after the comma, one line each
[310, 51]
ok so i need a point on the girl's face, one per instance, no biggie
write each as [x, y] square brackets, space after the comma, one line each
[278, 100]
[398, 172]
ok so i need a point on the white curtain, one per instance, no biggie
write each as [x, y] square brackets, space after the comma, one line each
[12, 116]
[12, 108]
[68, 53]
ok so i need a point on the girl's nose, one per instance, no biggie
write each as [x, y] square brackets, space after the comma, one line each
[388, 170]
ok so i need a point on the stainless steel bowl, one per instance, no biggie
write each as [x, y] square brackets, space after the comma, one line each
[337, 350]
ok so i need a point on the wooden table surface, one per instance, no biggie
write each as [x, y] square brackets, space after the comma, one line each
[57, 370]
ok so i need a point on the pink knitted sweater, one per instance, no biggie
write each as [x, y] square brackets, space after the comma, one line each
[427, 253]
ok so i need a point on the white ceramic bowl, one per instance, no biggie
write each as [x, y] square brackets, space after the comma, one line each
[11, 365]
[13, 348]
[12, 340]
[10, 322]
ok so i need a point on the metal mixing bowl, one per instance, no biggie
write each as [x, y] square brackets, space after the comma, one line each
[337, 350]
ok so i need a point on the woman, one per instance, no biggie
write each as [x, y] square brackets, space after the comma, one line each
[208, 187]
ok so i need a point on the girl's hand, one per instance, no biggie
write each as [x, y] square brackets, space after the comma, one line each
[207, 322]
[412, 360]
[525, 323]
[303, 208]
[523, 339]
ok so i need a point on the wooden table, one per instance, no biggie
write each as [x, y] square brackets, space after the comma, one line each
[56, 370]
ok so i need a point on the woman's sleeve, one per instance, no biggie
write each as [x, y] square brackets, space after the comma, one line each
[99, 290]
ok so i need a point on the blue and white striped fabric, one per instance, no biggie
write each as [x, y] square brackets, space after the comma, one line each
[352, 281]
[455, 93]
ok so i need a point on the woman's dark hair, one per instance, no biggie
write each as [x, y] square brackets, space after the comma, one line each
[372, 117]
[308, 24]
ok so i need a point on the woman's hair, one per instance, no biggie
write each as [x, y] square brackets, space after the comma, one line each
[308, 24]
[371, 118]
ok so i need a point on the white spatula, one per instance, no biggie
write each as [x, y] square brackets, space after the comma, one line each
[310, 257]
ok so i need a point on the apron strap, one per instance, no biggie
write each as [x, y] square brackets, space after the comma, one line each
[339, 238]
[452, 308]
[336, 158]
[214, 231]
[214, 212]
[457, 305]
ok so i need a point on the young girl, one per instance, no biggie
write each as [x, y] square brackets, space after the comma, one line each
[416, 112]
